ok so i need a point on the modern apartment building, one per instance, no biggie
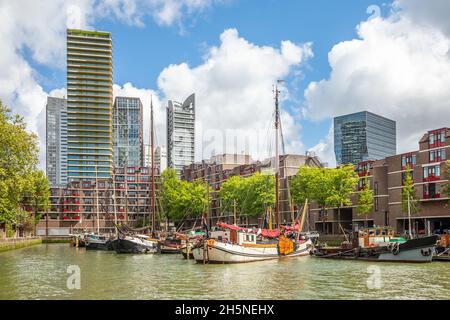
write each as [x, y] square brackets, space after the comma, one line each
[128, 127]
[181, 133]
[81, 205]
[386, 179]
[56, 141]
[363, 136]
[89, 104]
[160, 158]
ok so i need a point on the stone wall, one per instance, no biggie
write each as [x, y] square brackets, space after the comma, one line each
[17, 243]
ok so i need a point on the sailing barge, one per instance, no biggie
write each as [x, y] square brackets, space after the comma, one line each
[240, 245]
[380, 244]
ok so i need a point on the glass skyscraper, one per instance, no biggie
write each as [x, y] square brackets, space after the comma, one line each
[128, 132]
[56, 141]
[363, 136]
[181, 133]
[89, 104]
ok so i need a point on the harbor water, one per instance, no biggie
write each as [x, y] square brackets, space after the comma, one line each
[44, 271]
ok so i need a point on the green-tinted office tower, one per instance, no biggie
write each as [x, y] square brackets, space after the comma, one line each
[89, 104]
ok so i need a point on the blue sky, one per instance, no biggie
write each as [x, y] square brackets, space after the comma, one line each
[141, 53]
[334, 56]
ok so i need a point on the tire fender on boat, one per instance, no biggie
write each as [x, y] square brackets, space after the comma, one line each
[426, 253]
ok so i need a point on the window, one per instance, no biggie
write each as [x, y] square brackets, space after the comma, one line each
[431, 172]
[430, 191]
[437, 155]
[408, 160]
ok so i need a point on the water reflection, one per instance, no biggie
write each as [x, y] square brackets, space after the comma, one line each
[40, 272]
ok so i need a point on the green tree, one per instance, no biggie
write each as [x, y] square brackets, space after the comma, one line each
[259, 194]
[410, 202]
[20, 180]
[252, 195]
[446, 187]
[231, 193]
[365, 200]
[311, 183]
[169, 194]
[342, 182]
[182, 198]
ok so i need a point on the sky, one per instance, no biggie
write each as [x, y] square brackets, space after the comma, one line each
[336, 57]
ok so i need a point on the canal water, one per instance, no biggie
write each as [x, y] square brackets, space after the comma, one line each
[41, 272]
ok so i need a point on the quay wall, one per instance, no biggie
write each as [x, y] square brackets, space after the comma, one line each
[17, 243]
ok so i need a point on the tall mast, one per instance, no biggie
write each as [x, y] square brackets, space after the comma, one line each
[277, 158]
[152, 155]
[96, 200]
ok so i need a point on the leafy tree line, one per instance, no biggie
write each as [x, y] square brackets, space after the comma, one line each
[180, 198]
[22, 185]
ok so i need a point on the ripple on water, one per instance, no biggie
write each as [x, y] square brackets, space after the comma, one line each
[40, 272]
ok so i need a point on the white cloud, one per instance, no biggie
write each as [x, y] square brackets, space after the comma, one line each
[233, 88]
[396, 68]
[34, 32]
[325, 149]
[164, 12]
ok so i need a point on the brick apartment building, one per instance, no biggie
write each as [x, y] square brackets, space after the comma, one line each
[219, 168]
[386, 178]
[74, 208]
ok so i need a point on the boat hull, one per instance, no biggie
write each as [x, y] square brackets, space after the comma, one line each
[98, 245]
[131, 246]
[416, 250]
[225, 253]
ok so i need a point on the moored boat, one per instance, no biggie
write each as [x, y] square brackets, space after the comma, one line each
[98, 242]
[133, 244]
[443, 249]
[380, 244]
[241, 245]
[171, 245]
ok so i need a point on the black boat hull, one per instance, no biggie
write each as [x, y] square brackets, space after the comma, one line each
[127, 246]
[106, 246]
[415, 250]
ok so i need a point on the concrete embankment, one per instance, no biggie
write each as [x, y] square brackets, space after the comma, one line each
[17, 243]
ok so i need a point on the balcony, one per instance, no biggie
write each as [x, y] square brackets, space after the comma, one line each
[431, 178]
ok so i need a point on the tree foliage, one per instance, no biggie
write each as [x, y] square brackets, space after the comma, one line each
[252, 195]
[365, 199]
[342, 182]
[21, 183]
[446, 187]
[327, 187]
[409, 193]
[182, 198]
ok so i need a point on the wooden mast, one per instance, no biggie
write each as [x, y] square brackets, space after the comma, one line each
[152, 151]
[277, 159]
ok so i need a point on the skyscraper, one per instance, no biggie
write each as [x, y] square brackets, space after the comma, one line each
[363, 136]
[56, 141]
[181, 133]
[89, 104]
[160, 158]
[128, 132]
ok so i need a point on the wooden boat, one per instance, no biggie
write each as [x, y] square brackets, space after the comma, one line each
[78, 240]
[380, 244]
[187, 252]
[171, 246]
[240, 245]
[98, 242]
[443, 249]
